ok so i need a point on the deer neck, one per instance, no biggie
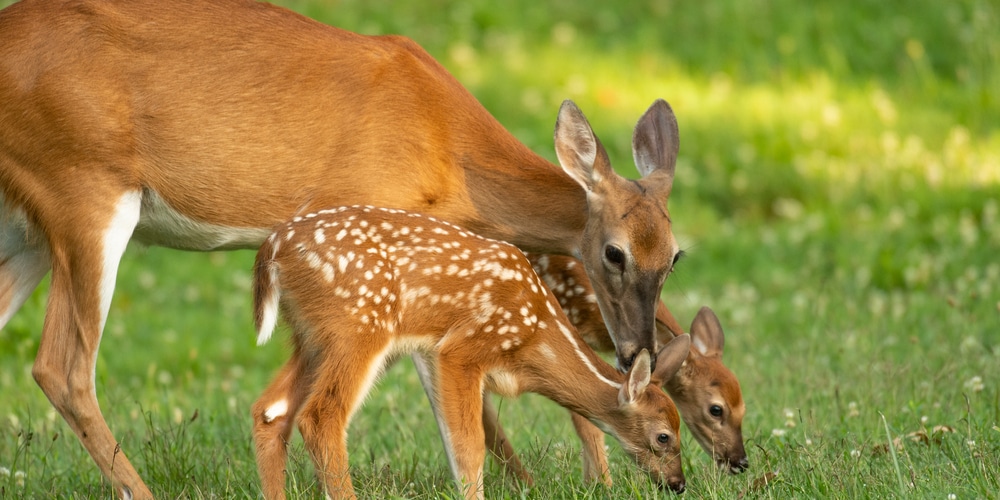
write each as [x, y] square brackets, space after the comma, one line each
[521, 198]
[576, 378]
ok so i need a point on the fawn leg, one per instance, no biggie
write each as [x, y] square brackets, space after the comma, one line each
[460, 395]
[343, 377]
[595, 460]
[499, 445]
[273, 415]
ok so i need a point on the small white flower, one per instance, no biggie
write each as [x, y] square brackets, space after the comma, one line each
[4, 472]
[789, 417]
[855, 453]
[852, 409]
[952, 496]
[924, 419]
[975, 384]
[809, 442]
[971, 444]
[777, 432]
[19, 477]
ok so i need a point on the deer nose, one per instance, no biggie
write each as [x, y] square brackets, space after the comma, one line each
[625, 363]
[742, 465]
[626, 353]
[677, 487]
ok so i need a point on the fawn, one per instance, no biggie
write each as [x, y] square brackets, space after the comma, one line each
[361, 286]
[705, 391]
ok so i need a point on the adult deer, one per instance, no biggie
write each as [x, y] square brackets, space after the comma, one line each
[362, 285]
[704, 389]
[200, 125]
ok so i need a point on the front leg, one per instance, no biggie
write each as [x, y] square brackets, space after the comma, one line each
[595, 460]
[460, 396]
[496, 438]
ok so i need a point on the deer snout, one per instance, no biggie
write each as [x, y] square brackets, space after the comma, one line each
[675, 485]
[625, 356]
[738, 464]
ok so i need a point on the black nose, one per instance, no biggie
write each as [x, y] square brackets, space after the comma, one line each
[738, 466]
[625, 363]
[678, 488]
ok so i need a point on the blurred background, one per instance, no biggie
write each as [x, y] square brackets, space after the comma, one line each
[837, 194]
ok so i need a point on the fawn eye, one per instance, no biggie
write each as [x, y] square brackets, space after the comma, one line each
[615, 256]
[715, 410]
[663, 438]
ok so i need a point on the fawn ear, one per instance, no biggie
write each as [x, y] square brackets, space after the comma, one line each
[671, 357]
[636, 380]
[580, 153]
[706, 333]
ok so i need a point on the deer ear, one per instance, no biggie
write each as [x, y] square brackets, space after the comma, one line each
[655, 143]
[706, 333]
[671, 357]
[580, 153]
[636, 380]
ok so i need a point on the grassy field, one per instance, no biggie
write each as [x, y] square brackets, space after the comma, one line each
[837, 193]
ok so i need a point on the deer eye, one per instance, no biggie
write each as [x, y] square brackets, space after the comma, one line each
[615, 256]
[715, 410]
[677, 257]
[663, 438]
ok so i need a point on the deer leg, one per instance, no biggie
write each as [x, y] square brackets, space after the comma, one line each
[499, 445]
[496, 439]
[595, 460]
[343, 377]
[273, 417]
[461, 400]
[84, 267]
[23, 262]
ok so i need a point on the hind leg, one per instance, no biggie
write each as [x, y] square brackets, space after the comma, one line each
[86, 247]
[343, 374]
[273, 418]
[24, 260]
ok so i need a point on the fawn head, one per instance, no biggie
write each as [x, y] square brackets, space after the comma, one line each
[627, 245]
[708, 395]
[646, 422]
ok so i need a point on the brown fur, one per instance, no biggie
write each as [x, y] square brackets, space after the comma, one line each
[238, 114]
[703, 380]
[472, 307]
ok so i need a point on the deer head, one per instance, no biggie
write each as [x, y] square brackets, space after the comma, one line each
[708, 395]
[628, 247]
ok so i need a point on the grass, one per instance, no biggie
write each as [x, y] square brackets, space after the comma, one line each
[838, 193]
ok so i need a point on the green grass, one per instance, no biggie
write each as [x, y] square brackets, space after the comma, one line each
[838, 193]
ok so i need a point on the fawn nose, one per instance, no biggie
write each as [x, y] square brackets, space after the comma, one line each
[677, 487]
[740, 465]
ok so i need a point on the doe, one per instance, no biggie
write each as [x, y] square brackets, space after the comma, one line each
[361, 286]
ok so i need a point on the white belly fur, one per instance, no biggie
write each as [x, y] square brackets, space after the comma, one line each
[161, 225]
